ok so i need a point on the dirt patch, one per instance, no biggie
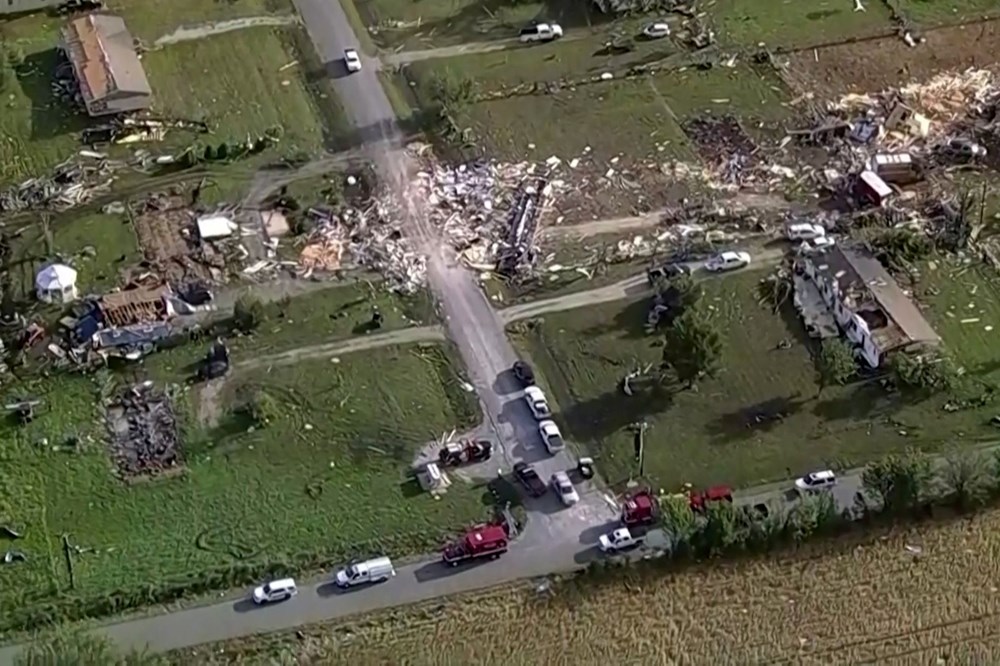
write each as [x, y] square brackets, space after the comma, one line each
[879, 64]
[220, 27]
[142, 429]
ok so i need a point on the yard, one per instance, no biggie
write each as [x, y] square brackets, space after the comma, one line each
[883, 604]
[927, 13]
[435, 23]
[234, 81]
[763, 419]
[790, 24]
[326, 478]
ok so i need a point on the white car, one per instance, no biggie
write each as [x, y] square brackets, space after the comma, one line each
[656, 30]
[620, 539]
[564, 488]
[537, 403]
[551, 436]
[352, 60]
[276, 590]
[541, 32]
[804, 231]
[817, 245]
[727, 261]
[817, 481]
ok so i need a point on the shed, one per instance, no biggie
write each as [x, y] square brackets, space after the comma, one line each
[56, 283]
[105, 63]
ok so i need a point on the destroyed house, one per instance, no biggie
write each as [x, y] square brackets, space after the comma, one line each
[106, 66]
[869, 307]
[136, 306]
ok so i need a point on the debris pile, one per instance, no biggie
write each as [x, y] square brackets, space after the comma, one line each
[725, 147]
[490, 211]
[142, 432]
[70, 184]
[373, 239]
[924, 114]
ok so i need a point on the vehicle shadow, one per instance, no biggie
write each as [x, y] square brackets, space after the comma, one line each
[591, 535]
[331, 589]
[245, 606]
[505, 383]
[437, 570]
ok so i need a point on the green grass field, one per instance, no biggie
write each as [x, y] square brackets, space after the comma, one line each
[239, 89]
[434, 23]
[149, 20]
[710, 436]
[335, 487]
[796, 23]
[929, 13]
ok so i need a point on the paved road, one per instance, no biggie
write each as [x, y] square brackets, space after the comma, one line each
[319, 600]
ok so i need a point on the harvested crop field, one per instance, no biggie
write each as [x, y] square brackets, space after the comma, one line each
[888, 598]
[325, 476]
[871, 66]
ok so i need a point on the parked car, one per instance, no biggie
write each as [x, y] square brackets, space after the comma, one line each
[804, 231]
[370, 571]
[564, 488]
[524, 374]
[541, 32]
[537, 403]
[529, 478]
[352, 60]
[817, 481]
[727, 261]
[667, 271]
[620, 539]
[276, 590]
[551, 436]
[656, 30]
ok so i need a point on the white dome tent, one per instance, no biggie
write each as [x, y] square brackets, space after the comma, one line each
[56, 284]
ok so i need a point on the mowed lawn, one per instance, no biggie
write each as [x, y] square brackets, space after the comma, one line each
[231, 81]
[764, 417]
[796, 23]
[95, 244]
[328, 477]
[149, 20]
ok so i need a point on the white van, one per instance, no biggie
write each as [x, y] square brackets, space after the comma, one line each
[370, 571]
[804, 231]
[276, 590]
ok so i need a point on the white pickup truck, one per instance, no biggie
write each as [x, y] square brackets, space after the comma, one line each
[541, 32]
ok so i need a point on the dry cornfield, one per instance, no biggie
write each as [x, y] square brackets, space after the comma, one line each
[915, 596]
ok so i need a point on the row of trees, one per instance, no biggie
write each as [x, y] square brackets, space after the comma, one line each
[906, 485]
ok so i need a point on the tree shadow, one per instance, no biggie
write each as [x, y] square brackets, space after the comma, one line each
[858, 403]
[597, 418]
[761, 417]
[50, 116]
[628, 323]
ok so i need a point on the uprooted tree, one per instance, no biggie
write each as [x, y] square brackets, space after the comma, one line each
[673, 296]
[692, 346]
[929, 372]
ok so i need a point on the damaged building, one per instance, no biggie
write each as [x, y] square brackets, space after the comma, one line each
[870, 309]
[105, 64]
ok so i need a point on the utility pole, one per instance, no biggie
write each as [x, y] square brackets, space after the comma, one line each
[639, 444]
